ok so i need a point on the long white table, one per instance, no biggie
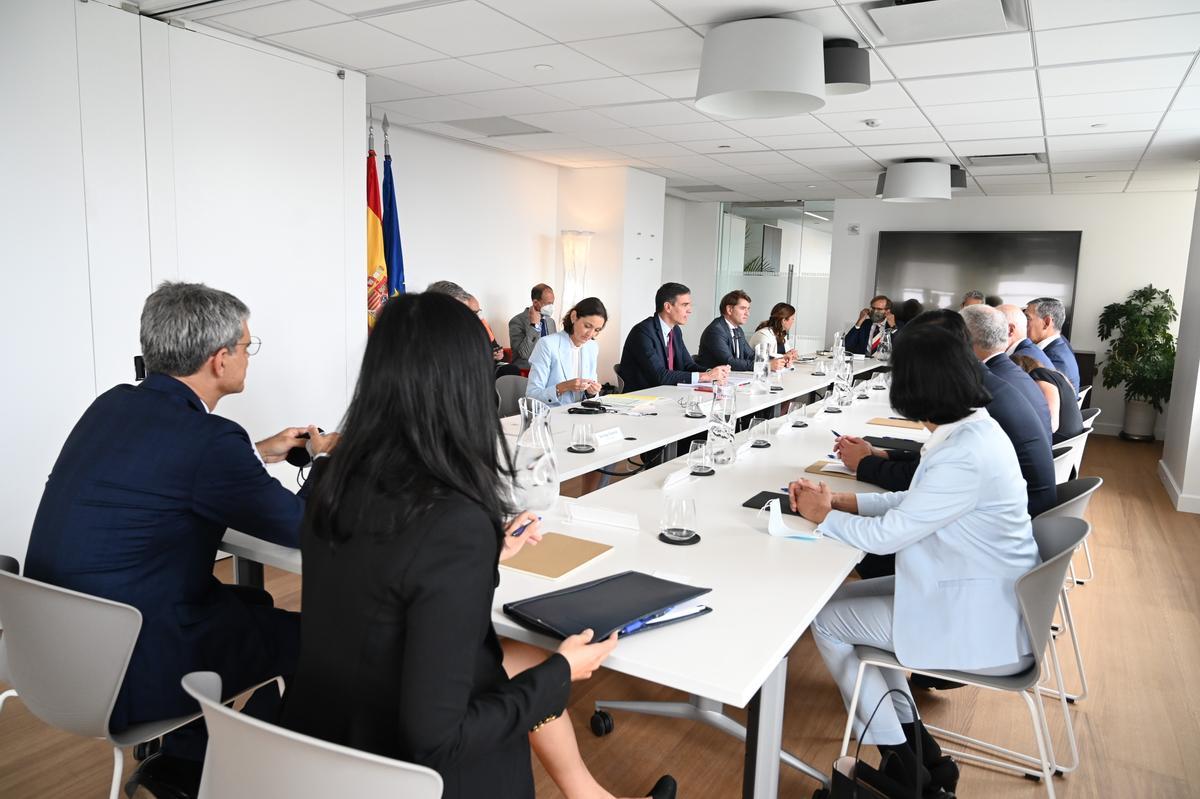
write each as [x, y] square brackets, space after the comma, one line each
[766, 590]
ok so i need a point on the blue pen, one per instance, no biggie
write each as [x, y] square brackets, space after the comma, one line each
[521, 529]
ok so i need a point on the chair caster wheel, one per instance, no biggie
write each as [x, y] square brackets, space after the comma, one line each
[1058, 773]
[1070, 700]
[1079, 582]
[144, 750]
[601, 723]
[1034, 777]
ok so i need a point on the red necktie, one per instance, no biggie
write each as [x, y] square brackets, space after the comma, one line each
[670, 351]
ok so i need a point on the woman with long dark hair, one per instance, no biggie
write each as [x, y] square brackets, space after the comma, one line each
[562, 368]
[776, 329]
[401, 540]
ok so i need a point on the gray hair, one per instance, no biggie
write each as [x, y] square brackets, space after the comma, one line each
[986, 326]
[973, 295]
[1015, 317]
[183, 324]
[1048, 306]
[447, 287]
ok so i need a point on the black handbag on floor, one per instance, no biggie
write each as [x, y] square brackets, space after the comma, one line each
[854, 779]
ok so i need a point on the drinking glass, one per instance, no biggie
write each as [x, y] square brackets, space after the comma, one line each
[582, 438]
[691, 407]
[759, 433]
[700, 460]
[879, 382]
[821, 367]
[775, 381]
[678, 519]
[800, 415]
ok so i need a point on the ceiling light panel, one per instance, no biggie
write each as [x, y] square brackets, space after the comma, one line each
[571, 20]
[1134, 39]
[977, 54]
[1016, 85]
[605, 91]
[355, 44]
[521, 65]
[458, 29]
[447, 76]
[1065, 13]
[1114, 76]
[658, 51]
[279, 18]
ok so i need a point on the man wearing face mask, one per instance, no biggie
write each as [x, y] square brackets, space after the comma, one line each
[863, 338]
[534, 323]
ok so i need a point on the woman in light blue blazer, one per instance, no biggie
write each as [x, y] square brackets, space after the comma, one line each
[962, 538]
[562, 368]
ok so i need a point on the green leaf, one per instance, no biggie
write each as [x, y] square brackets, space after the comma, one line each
[1141, 353]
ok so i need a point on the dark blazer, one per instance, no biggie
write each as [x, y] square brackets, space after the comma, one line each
[1070, 419]
[644, 358]
[1063, 357]
[859, 338]
[1020, 423]
[716, 347]
[133, 511]
[1003, 367]
[1027, 347]
[523, 337]
[398, 654]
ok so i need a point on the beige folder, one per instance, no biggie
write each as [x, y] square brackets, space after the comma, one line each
[557, 555]
[819, 466]
[905, 423]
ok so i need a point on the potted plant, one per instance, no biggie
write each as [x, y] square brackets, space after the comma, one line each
[1141, 356]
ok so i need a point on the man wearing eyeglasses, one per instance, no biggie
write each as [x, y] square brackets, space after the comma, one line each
[863, 338]
[136, 506]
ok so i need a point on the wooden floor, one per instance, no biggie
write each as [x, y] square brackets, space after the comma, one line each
[1139, 730]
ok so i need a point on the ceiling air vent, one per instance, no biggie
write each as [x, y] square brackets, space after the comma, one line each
[944, 19]
[1010, 159]
[496, 126]
[700, 189]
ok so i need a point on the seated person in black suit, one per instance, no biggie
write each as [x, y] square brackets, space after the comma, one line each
[988, 332]
[401, 542]
[723, 341]
[137, 502]
[1066, 420]
[863, 338]
[894, 470]
[1046, 319]
[1018, 336]
[654, 352]
[909, 310]
[970, 298]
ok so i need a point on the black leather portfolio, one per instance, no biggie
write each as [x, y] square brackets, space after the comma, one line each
[887, 442]
[628, 603]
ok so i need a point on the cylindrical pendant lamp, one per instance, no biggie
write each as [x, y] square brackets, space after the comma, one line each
[917, 181]
[761, 68]
[847, 67]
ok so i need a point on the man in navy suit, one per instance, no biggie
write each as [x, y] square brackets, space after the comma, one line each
[988, 331]
[863, 338]
[1046, 318]
[137, 503]
[654, 353]
[724, 343]
[1018, 335]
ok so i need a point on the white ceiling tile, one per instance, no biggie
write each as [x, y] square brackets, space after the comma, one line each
[463, 28]
[1193, 78]
[1188, 98]
[509, 102]
[991, 130]
[1012, 169]
[975, 54]
[614, 136]
[866, 137]
[448, 76]
[724, 196]
[657, 51]
[1185, 120]
[683, 163]
[898, 152]
[1018, 189]
[1067, 168]
[880, 95]
[534, 141]
[604, 91]
[715, 170]
[279, 17]
[775, 192]
[1164, 181]
[803, 141]
[381, 89]
[765, 158]
[1114, 76]
[1107, 124]
[1017, 85]
[989, 181]
[646, 114]
[887, 118]
[1085, 177]
[569, 121]
[1063, 13]
[691, 131]
[829, 155]
[433, 109]
[879, 72]
[570, 20]
[827, 190]
[355, 44]
[999, 146]
[1133, 39]
[1148, 186]
[831, 21]
[578, 154]
[651, 150]
[1090, 187]
[794, 172]
[978, 113]
[708, 12]
[679, 84]
[737, 144]
[522, 65]
[357, 6]
[850, 174]
[1062, 158]
[863, 187]
[442, 129]
[746, 184]
[1142, 101]
[1177, 140]
[805, 123]
[1098, 141]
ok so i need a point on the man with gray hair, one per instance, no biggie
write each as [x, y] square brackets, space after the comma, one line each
[137, 503]
[988, 331]
[466, 298]
[1046, 317]
[972, 297]
[1018, 335]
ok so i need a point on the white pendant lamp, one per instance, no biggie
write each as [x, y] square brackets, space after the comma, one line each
[761, 68]
[917, 181]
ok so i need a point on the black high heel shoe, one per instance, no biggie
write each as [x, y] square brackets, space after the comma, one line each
[665, 788]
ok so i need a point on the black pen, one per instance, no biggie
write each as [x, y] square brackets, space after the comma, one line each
[516, 533]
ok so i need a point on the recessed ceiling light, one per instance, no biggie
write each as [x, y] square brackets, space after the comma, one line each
[812, 186]
[543, 67]
[1099, 125]
[871, 123]
[723, 146]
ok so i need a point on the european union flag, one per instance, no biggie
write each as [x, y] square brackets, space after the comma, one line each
[391, 232]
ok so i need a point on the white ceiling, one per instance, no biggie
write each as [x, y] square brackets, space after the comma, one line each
[1109, 89]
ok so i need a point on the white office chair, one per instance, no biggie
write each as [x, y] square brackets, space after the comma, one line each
[1082, 395]
[509, 389]
[620, 380]
[1089, 417]
[1076, 446]
[67, 655]
[11, 566]
[251, 759]
[1062, 464]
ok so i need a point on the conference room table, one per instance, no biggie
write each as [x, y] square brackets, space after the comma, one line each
[766, 590]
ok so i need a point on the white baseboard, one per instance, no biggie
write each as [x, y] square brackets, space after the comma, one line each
[1107, 428]
[1184, 503]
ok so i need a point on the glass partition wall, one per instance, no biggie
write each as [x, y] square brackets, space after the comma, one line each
[779, 252]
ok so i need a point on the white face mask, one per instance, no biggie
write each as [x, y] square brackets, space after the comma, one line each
[547, 310]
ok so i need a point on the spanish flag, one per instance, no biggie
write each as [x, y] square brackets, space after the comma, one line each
[377, 276]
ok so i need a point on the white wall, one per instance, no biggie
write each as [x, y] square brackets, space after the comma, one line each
[701, 237]
[1128, 240]
[674, 239]
[1180, 464]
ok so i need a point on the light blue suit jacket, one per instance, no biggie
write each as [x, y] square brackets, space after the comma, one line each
[962, 537]
[550, 363]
